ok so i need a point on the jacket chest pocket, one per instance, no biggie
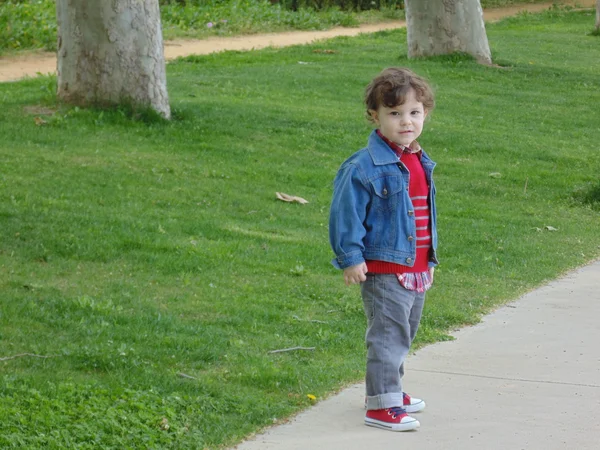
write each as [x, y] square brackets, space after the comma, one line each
[386, 190]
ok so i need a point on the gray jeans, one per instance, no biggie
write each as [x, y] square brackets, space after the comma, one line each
[393, 316]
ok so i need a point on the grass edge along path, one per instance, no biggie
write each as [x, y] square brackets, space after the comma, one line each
[153, 263]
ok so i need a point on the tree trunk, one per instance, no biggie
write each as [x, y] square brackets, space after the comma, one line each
[597, 15]
[440, 27]
[111, 52]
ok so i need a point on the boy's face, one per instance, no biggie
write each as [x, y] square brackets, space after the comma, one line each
[401, 124]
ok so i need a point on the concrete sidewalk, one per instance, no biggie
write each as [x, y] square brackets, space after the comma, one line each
[527, 377]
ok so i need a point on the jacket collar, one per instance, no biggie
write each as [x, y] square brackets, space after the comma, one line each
[380, 152]
[399, 149]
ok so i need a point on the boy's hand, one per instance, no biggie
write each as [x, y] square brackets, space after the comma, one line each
[355, 274]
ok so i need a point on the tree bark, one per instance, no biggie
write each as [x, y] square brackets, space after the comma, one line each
[597, 15]
[111, 52]
[440, 27]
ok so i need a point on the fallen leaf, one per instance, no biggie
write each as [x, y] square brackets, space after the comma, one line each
[549, 228]
[329, 52]
[39, 121]
[290, 198]
[164, 424]
[311, 397]
[495, 175]
[303, 62]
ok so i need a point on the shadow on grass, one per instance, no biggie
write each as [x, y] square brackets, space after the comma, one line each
[589, 195]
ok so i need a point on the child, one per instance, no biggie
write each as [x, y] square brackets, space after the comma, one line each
[382, 228]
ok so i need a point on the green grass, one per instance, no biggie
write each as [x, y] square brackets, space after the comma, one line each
[134, 250]
[31, 24]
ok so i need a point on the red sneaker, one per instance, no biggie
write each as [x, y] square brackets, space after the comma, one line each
[411, 404]
[393, 419]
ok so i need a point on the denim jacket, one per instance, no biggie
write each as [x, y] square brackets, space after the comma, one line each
[372, 216]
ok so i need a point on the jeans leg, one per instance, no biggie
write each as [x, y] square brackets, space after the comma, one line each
[390, 318]
[414, 320]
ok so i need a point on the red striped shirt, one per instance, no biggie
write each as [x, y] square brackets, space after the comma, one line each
[418, 190]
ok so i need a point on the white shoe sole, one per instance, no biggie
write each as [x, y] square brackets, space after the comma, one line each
[417, 407]
[408, 426]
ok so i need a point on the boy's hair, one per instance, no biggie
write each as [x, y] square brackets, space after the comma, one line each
[390, 87]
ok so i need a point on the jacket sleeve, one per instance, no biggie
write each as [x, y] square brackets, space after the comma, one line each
[351, 198]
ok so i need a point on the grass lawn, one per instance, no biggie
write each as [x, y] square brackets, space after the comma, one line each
[154, 267]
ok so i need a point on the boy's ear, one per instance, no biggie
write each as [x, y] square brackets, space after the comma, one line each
[373, 114]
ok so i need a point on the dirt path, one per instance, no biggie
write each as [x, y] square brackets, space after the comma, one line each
[30, 64]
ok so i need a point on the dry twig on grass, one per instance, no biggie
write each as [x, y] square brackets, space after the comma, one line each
[185, 375]
[291, 349]
[309, 320]
[21, 355]
[290, 198]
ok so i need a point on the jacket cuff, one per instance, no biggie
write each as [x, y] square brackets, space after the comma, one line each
[348, 260]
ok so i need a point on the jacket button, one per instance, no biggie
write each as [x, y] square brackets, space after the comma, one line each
[409, 260]
[410, 238]
[411, 213]
[384, 191]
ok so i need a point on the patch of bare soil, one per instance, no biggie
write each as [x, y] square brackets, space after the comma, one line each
[30, 64]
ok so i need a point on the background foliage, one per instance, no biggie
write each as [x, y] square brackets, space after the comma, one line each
[354, 5]
[31, 24]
